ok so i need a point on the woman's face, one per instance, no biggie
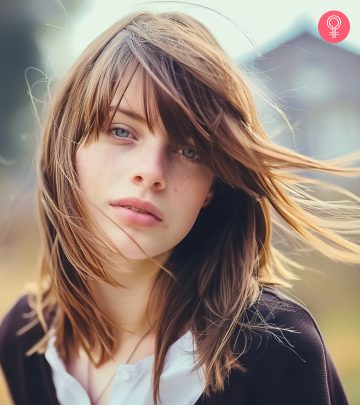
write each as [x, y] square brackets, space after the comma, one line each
[130, 169]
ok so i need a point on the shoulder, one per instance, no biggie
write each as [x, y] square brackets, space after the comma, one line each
[285, 328]
[283, 357]
[28, 376]
[284, 317]
[286, 359]
[17, 317]
[14, 318]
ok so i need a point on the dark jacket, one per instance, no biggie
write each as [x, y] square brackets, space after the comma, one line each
[283, 368]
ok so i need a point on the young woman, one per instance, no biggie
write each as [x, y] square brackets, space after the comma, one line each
[158, 190]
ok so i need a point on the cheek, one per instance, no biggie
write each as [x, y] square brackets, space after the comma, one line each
[91, 166]
[87, 168]
[192, 194]
[82, 167]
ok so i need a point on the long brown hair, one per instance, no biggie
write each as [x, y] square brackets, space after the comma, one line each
[216, 272]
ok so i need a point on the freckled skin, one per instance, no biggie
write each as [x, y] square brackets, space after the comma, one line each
[141, 166]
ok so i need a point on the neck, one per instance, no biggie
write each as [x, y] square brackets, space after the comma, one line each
[127, 305]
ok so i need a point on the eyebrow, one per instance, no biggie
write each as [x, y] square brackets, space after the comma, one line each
[129, 113]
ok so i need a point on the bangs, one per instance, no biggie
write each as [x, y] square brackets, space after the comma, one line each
[174, 101]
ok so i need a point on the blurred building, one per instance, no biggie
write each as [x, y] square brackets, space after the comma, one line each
[317, 85]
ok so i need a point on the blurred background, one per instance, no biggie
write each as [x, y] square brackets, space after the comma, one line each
[276, 43]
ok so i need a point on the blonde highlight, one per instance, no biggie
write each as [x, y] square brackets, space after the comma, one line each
[207, 291]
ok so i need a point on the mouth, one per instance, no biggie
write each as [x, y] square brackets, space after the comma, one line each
[129, 207]
[139, 207]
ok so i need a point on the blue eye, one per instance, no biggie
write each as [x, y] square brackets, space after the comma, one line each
[120, 132]
[189, 153]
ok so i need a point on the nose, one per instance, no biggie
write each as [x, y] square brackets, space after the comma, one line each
[149, 171]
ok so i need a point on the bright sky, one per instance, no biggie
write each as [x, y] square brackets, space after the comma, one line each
[244, 24]
[259, 20]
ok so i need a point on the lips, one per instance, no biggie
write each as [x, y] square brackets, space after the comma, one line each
[138, 205]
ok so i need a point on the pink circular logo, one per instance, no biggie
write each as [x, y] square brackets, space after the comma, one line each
[334, 26]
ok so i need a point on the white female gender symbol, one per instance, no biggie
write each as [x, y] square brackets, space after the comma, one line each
[334, 28]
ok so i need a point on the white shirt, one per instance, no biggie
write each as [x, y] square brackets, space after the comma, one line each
[179, 384]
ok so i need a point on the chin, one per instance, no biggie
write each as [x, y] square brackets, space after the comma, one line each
[132, 252]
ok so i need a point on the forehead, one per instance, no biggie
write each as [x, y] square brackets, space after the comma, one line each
[136, 98]
[130, 97]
